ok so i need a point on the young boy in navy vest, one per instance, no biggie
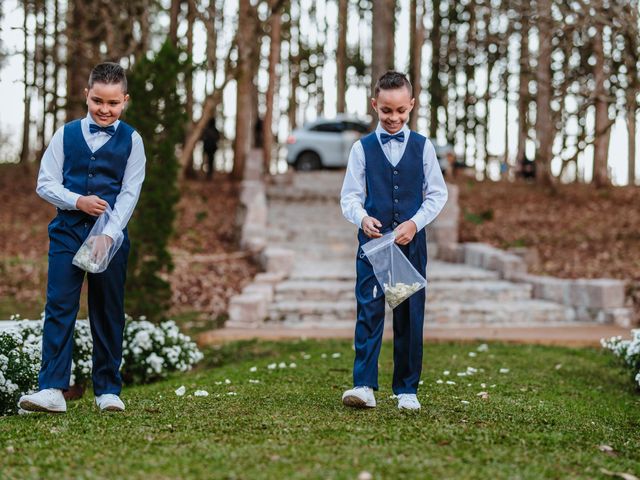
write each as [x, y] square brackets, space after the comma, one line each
[89, 163]
[393, 182]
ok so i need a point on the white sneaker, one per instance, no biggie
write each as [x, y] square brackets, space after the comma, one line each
[110, 403]
[359, 397]
[48, 400]
[408, 401]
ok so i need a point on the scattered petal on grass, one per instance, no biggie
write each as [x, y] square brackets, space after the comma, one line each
[272, 366]
[483, 347]
[218, 383]
[605, 448]
[324, 355]
[623, 475]
[10, 449]
[306, 356]
[253, 369]
[200, 393]
[493, 386]
[393, 396]
[468, 384]
[446, 372]
[449, 382]
[232, 393]
[282, 365]
[473, 354]
[292, 365]
[462, 374]
[558, 366]
[464, 402]
[471, 370]
[227, 381]
[504, 370]
[364, 475]
[483, 385]
[420, 382]
[483, 395]
[180, 391]
[336, 355]
[253, 381]
[439, 381]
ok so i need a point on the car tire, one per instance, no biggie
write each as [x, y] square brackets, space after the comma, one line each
[308, 161]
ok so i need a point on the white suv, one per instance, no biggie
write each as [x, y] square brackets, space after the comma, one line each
[326, 143]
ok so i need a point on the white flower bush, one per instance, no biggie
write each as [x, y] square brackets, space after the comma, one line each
[150, 352]
[628, 351]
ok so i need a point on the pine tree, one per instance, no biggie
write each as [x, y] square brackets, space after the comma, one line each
[157, 112]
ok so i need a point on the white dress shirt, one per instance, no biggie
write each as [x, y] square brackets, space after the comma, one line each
[353, 195]
[50, 177]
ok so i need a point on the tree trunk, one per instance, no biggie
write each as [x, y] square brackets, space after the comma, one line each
[294, 73]
[274, 60]
[435, 87]
[631, 129]
[80, 58]
[26, 119]
[244, 90]
[523, 92]
[544, 125]
[383, 43]
[341, 55]
[189, 170]
[174, 20]
[602, 124]
[417, 34]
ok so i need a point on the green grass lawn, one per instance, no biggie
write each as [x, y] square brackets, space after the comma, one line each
[547, 417]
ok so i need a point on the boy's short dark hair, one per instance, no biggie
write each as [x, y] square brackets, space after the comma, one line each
[391, 80]
[109, 73]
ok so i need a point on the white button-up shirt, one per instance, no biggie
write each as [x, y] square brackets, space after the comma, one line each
[50, 177]
[353, 195]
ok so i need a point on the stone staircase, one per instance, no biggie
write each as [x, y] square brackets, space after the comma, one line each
[305, 218]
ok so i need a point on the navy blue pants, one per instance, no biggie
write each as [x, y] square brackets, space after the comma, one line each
[408, 322]
[106, 311]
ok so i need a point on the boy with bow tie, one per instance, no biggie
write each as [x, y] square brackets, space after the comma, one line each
[90, 163]
[393, 182]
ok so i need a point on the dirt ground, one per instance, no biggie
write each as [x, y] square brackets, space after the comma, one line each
[578, 231]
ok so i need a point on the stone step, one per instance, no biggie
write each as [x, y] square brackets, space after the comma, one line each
[336, 269]
[437, 291]
[486, 312]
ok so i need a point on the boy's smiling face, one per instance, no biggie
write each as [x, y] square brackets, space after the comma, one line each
[393, 107]
[106, 102]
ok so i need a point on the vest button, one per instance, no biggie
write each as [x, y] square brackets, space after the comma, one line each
[395, 200]
[93, 158]
[395, 172]
[395, 224]
[91, 175]
[397, 215]
[395, 187]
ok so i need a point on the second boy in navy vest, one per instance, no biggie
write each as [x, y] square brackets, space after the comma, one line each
[393, 182]
[89, 163]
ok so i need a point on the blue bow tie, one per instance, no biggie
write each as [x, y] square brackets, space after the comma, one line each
[110, 130]
[386, 138]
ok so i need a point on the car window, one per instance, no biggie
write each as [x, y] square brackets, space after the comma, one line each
[333, 127]
[358, 127]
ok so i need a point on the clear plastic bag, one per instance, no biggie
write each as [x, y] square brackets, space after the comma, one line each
[98, 249]
[399, 279]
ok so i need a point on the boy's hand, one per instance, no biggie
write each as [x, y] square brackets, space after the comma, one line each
[92, 204]
[100, 247]
[370, 227]
[405, 232]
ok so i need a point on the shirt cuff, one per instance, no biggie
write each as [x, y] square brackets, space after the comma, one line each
[112, 231]
[72, 200]
[419, 220]
[359, 217]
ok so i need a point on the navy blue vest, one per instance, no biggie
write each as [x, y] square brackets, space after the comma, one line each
[94, 173]
[394, 194]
